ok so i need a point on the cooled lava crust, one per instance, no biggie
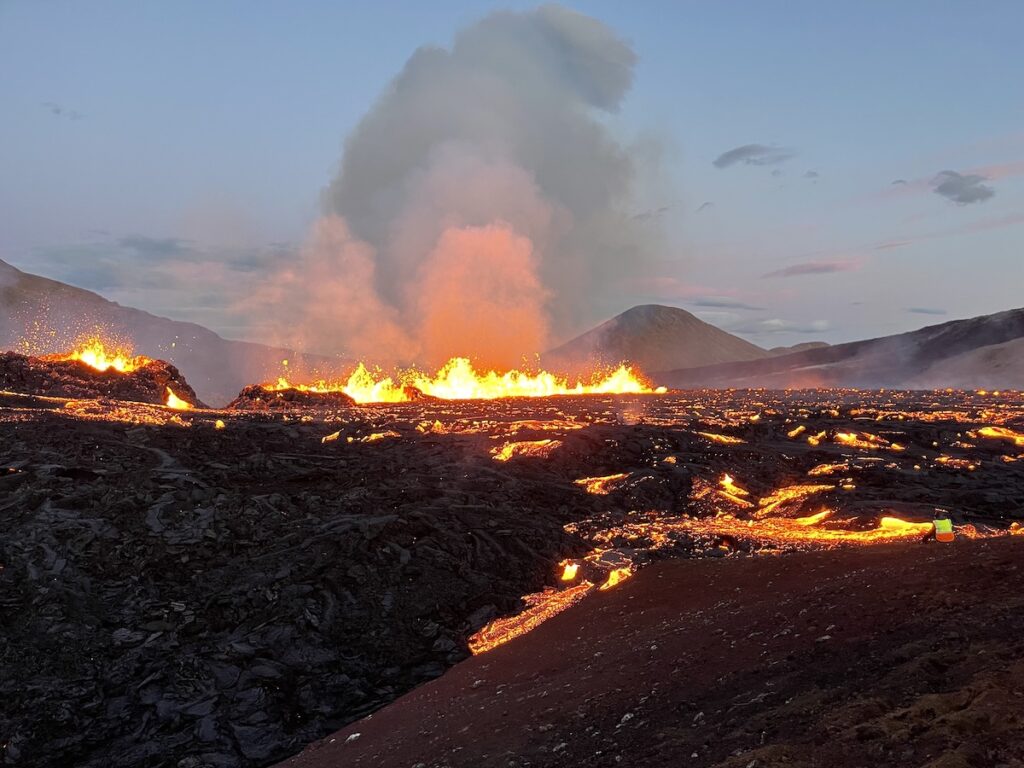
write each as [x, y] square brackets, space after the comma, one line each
[218, 588]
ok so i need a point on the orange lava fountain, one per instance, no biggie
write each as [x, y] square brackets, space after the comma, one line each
[459, 380]
[95, 353]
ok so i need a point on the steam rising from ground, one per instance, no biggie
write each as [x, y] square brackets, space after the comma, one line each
[481, 207]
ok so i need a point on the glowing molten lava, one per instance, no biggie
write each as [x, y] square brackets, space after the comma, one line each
[601, 486]
[1003, 433]
[459, 380]
[806, 531]
[95, 354]
[616, 577]
[175, 402]
[536, 448]
[540, 607]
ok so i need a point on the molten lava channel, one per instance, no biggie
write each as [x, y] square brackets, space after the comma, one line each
[459, 380]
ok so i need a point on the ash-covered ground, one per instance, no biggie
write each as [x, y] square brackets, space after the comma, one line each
[178, 592]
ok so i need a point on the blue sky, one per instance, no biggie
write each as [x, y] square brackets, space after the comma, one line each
[141, 134]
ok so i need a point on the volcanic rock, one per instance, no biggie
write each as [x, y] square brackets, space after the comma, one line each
[148, 383]
[183, 593]
[261, 398]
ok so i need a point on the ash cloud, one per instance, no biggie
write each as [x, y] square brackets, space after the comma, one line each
[962, 189]
[481, 193]
[753, 154]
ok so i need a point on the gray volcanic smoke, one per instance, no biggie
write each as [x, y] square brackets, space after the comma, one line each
[481, 206]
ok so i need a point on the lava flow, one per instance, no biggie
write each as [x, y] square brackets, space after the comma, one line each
[459, 380]
[175, 402]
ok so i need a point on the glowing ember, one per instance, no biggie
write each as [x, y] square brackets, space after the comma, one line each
[827, 469]
[536, 448]
[866, 441]
[723, 439]
[788, 495]
[540, 607]
[458, 380]
[1003, 433]
[616, 577]
[793, 433]
[601, 486]
[730, 487]
[175, 402]
[955, 463]
[95, 354]
[569, 570]
[814, 519]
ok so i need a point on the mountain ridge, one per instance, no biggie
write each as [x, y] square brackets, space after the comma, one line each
[899, 360]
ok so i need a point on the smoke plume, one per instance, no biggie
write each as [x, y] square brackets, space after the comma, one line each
[482, 206]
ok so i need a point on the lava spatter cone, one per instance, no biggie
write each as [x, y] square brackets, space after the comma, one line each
[86, 376]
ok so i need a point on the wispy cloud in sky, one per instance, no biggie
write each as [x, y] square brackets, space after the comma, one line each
[776, 325]
[926, 311]
[59, 111]
[815, 268]
[719, 302]
[753, 154]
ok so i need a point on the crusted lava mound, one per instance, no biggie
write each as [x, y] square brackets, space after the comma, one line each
[147, 383]
[258, 397]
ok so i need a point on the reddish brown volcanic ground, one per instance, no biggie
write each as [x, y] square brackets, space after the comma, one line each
[216, 588]
[899, 655]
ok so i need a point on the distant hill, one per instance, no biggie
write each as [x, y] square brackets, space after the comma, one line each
[50, 315]
[802, 347]
[982, 351]
[655, 338]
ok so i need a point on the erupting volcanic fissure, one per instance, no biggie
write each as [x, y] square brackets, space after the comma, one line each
[95, 353]
[459, 380]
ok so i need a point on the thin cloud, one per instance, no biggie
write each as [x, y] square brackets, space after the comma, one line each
[890, 244]
[58, 111]
[654, 213]
[753, 154]
[812, 175]
[926, 311]
[814, 268]
[962, 189]
[718, 302]
[705, 206]
[778, 325]
[159, 248]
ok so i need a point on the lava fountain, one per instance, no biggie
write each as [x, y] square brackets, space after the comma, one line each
[459, 380]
